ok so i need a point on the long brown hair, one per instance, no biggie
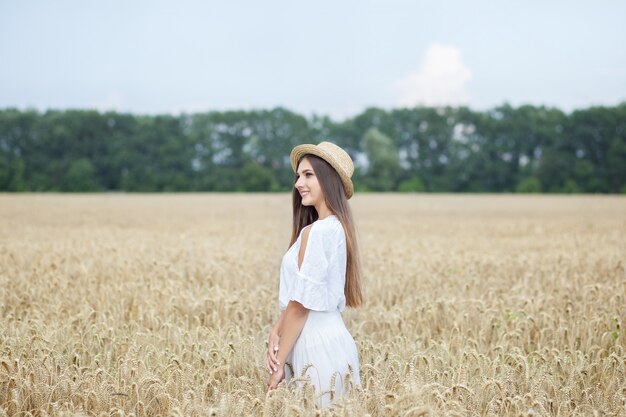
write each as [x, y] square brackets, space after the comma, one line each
[336, 201]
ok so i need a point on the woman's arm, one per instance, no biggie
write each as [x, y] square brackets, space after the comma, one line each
[295, 313]
[279, 322]
[273, 341]
[290, 324]
[293, 320]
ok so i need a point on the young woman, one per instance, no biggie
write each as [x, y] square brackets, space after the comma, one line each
[320, 274]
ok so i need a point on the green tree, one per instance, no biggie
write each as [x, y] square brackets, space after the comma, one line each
[254, 177]
[529, 185]
[414, 184]
[80, 176]
[570, 187]
[616, 161]
[437, 149]
[16, 132]
[384, 164]
[272, 135]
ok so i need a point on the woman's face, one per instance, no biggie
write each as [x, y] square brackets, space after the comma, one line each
[307, 184]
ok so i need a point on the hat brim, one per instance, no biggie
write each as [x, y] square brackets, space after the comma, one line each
[301, 150]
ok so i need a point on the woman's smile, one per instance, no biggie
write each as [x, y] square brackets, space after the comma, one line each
[307, 184]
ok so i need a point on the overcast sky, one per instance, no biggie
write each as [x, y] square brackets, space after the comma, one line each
[326, 57]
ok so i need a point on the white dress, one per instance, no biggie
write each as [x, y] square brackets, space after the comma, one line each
[324, 343]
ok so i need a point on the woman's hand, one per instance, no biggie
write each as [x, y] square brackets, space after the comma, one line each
[275, 378]
[271, 361]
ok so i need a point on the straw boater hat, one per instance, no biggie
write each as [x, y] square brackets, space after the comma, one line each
[331, 153]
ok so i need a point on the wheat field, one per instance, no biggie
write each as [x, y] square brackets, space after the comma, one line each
[160, 304]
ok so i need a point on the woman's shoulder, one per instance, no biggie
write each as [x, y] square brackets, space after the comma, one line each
[329, 228]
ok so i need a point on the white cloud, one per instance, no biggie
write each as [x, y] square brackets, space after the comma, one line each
[112, 102]
[191, 107]
[440, 80]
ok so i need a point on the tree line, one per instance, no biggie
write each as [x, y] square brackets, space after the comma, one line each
[505, 149]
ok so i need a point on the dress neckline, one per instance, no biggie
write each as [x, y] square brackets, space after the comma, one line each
[318, 220]
[330, 215]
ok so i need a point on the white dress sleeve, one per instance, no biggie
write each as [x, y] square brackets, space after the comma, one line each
[310, 286]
